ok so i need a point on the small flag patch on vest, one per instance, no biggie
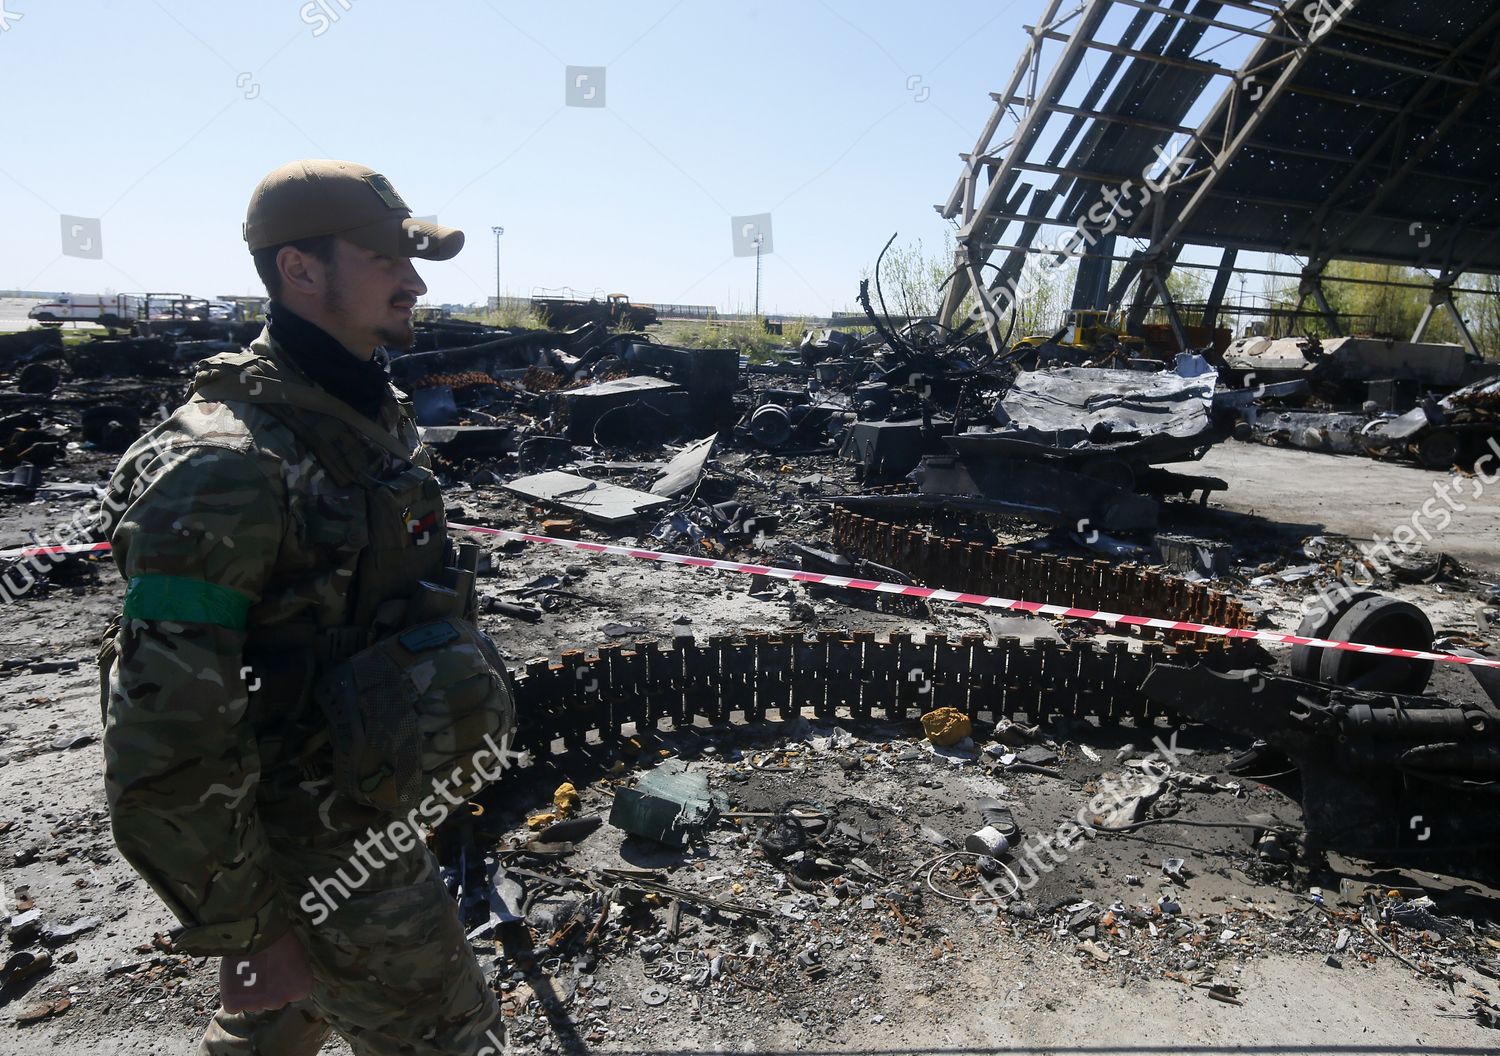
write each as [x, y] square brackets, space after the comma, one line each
[421, 529]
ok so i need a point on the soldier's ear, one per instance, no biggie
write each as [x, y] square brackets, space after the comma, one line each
[300, 271]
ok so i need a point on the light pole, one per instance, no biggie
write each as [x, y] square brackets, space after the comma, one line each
[759, 241]
[498, 232]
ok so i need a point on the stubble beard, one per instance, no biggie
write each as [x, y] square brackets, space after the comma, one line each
[399, 339]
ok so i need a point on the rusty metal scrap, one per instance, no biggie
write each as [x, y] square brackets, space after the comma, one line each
[585, 697]
[953, 564]
[456, 381]
[1481, 397]
[537, 379]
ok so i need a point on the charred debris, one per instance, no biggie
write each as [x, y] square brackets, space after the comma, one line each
[1435, 405]
[901, 452]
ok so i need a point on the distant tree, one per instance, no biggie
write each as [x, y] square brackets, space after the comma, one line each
[1188, 285]
[1045, 293]
[912, 278]
[1482, 313]
[1388, 311]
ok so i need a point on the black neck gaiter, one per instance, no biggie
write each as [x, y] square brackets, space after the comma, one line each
[361, 384]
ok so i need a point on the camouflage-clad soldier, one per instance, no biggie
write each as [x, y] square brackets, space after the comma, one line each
[265, 531]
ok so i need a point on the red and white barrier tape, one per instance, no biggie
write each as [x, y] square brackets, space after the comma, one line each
[40, 551]
[906, 590]
[984, 600]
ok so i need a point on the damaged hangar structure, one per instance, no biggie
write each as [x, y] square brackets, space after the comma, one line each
[1357, 130]
[1136, 138]
[1344, 132]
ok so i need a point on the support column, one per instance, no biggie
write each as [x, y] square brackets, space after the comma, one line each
[1153, 281]
[1115, 299]
[1442, 297]
[1312, 286]
[1220, 288]
[1427, 313]
[1159, 280]
[990, 319]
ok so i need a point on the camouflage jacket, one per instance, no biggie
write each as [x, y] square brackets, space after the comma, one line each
[240, 549]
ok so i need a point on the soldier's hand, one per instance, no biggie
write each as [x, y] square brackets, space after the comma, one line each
[276, 976]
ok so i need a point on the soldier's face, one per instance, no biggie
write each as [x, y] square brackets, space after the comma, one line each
[372, 296]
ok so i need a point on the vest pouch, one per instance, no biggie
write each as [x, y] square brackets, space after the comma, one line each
[426, 704]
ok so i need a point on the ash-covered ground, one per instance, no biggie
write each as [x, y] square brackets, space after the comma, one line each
[875, 935]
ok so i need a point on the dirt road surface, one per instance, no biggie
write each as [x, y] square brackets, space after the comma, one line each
[1359, 497]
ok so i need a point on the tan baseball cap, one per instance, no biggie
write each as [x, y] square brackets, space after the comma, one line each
[313, 197]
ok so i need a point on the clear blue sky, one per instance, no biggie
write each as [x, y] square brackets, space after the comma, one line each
[843, 120]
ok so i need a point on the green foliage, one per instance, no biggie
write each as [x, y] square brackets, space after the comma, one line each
[510, 316]
[1044, 293]
[1383, 310]
[1189, 285]
[1394, 311]
[748, 336]
[1482, 311]
[912, 279]
[915, 279]
[82, 335]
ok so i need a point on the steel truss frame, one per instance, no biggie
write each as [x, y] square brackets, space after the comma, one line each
[1150, 66]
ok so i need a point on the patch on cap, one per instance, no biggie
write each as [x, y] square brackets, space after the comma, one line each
[387, 193]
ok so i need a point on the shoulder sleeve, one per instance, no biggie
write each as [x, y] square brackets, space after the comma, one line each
[198, 532]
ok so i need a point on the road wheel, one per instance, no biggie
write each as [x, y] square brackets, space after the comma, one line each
[1319, 624]
[37, 378]
[1379, 621]
[1439, 449]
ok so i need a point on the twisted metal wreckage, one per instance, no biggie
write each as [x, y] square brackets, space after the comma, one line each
[1374, 752]
[1070, 431]
[1370, 760]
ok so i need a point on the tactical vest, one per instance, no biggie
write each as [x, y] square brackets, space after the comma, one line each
[403, 687]
[407, 531]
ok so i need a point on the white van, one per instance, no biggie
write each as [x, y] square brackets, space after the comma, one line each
[115, 312]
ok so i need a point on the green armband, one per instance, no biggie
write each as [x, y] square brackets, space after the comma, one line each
[183, 600]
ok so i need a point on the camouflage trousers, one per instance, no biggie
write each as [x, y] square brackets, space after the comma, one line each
[392, 970]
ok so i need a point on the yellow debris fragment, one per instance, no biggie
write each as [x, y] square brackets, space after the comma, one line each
[566, 798]
[945, 727]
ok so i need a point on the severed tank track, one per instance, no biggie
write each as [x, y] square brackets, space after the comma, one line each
[1009, 572]
[584, 700]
